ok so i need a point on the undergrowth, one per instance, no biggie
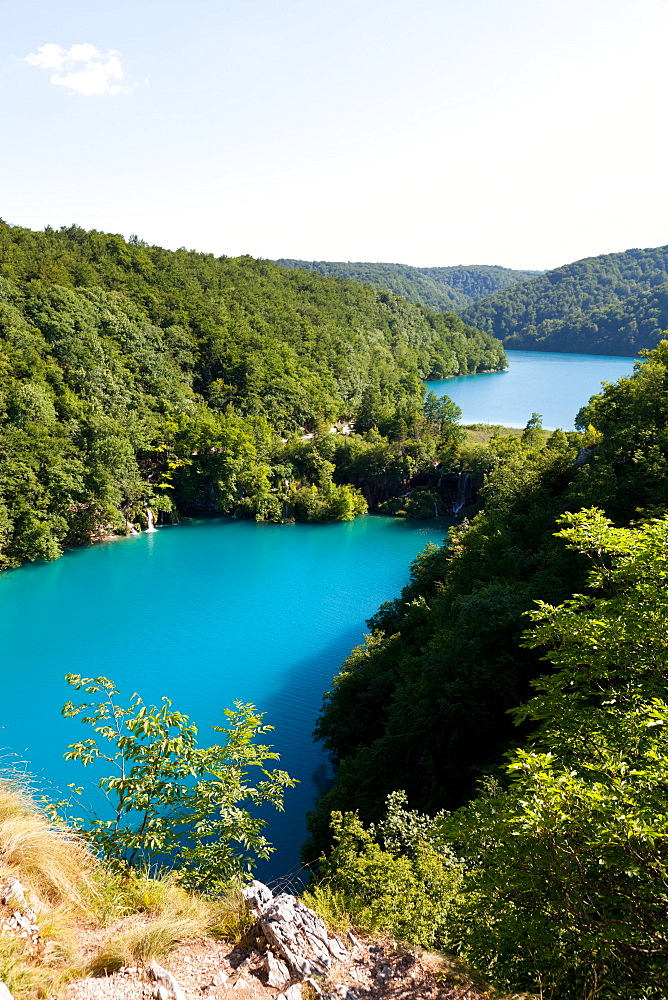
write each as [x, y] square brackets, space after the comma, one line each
[70, 890]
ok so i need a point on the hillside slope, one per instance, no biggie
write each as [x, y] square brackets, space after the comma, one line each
[611, 304]
[135, 376]
[440, 288]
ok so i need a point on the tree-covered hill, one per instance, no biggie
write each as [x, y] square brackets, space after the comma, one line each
[521, 680]
[476, 281]
[612, 304]
[135, 376]
[423, 705]
[440, 288]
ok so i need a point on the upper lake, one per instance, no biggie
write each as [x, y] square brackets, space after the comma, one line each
[212, 611]
[554, 385]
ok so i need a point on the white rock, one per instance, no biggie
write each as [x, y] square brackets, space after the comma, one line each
[293, 992]
[277, 972]
[6, 995]
[257, 895]
[241, 984]
[166, 982]
[294, 931]
[219, 978]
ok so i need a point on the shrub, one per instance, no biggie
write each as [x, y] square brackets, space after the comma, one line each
[177, 804]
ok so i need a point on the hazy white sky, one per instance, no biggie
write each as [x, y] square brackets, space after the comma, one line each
[514, 132]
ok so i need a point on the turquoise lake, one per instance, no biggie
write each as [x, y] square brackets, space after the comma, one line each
[212, 611]
[554, 385]
[205, 613]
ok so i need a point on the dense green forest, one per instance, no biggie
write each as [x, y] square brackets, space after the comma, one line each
[137, 379]
[440, 288]
[552, 873]
[612, 304]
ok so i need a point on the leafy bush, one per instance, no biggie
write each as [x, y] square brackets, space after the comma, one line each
[177, 804]
[566, 891]
[399, 876]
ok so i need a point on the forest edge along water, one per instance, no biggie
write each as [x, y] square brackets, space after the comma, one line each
[199, 613]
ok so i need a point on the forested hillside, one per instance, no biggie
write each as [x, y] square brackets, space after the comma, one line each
[444, 662]
[135, 378]
[552, 874]
[440, 288]
[476, 281]
[612, 304]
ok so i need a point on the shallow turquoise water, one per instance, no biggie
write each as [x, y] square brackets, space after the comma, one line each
[554, 385]
[205, 613]
[209, 612]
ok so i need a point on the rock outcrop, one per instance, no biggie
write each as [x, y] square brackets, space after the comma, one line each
[296, 935]
[16, 915]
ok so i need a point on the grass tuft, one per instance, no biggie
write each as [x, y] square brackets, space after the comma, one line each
[159, 914]
[71, 891]
[54, 864]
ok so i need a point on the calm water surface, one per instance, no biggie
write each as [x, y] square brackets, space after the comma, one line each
[554, 385]
[204, 613]
[214, 611]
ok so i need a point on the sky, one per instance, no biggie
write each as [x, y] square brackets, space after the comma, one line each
[426, 132]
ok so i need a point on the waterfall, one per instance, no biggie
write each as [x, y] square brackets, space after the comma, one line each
[149, 518]
[463, 491]
[131, 530]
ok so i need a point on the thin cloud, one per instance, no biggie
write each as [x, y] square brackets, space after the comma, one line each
[82, 68]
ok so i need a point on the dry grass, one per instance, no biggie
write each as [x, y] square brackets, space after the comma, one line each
[70, 891]
[159, 914]
[53, 864]
[482, 433]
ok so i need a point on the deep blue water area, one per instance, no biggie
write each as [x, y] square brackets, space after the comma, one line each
[554, 385]
[205, 613]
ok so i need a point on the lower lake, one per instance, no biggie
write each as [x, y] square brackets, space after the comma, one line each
[554, 385]
[213, 611]
[204, 613]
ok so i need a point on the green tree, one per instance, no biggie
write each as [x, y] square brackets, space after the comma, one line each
[398, 876]
[567, 889]
[175, 803]
[531, 435]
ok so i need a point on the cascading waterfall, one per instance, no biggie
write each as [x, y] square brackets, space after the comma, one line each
[131, 528]
[464, 492]
[149, 518]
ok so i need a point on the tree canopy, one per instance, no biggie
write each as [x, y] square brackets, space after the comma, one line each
[611, 304]
[136, 377]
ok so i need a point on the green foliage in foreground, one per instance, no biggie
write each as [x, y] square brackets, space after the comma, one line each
[177, 804]
[561, 887]
[567, 885]
[399, 877]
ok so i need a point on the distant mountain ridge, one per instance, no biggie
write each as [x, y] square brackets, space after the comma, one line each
[610, 304]
[444, 289]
